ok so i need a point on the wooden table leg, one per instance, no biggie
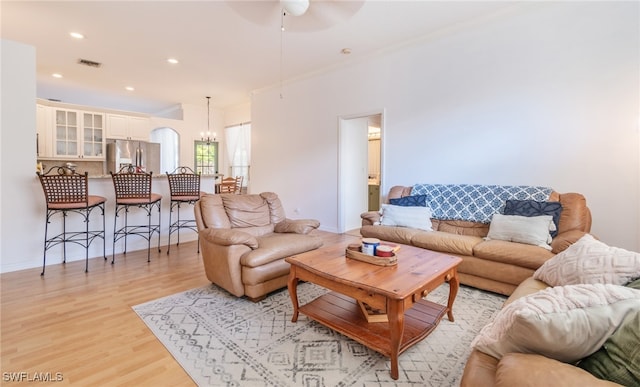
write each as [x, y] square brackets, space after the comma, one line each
[292, 286]
[395, 314]
[454, 284]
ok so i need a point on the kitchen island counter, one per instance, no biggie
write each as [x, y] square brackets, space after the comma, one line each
[102, 185]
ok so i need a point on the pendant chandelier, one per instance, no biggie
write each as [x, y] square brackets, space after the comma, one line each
[206, 137]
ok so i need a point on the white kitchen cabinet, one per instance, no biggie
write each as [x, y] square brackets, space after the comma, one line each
[93, 130]
[128, 127]
[78, 134]
[44, 147]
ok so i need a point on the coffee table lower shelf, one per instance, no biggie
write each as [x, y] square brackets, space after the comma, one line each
[343, 314]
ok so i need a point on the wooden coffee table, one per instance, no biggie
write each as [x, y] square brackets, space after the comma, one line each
[398, 290]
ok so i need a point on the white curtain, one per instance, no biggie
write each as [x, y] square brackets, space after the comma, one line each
[169, 141]
[238, 139]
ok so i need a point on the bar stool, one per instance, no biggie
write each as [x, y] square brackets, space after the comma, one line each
[66, 191]
[184, 185]
[133, 189]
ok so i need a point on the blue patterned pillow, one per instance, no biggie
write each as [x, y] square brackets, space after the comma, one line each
[410, 201]
[534, 208]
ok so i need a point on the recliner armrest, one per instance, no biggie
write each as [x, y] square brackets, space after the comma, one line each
[296, 226]
[229, 237]
[370, 218]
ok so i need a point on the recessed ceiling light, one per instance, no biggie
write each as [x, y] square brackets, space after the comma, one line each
[129, 88]
[172, 60]
[76, 35]
[56, 75]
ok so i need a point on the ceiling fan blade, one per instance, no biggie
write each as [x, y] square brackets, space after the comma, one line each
[323, 14]
[261, 12]
[320, 15]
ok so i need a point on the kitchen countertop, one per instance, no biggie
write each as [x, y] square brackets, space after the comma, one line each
[163, 175]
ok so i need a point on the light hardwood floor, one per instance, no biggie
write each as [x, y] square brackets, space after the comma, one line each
[81, 325]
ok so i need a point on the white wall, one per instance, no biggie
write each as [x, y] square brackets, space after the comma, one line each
[21, 201]
[545, 95]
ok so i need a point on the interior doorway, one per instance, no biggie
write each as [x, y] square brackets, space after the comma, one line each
[360, 168]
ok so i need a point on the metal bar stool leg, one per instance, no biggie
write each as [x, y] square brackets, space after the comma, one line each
[46, 229]
[150, 233]
[104, 234]
[64, 236]
[171, 204]
[86, 248]
[159, 223]
[178, 230]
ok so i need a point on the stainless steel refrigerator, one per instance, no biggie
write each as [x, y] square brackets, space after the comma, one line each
[144, 156]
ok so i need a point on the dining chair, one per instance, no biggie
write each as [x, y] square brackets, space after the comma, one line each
[228, 185]
[239, 180]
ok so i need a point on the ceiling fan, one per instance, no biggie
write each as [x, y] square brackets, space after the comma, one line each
[306, 15]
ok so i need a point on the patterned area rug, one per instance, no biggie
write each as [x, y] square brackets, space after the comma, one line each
[221, 340]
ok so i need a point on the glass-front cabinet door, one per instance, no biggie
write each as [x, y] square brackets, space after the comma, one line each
[79, 134]
[93, 135]
[67, 131]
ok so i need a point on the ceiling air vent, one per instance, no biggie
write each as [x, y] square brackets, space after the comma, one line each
[89, 63]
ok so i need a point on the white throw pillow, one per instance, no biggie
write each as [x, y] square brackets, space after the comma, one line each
[532, 230]
[414, 217]
[566, 323]
[589, 261]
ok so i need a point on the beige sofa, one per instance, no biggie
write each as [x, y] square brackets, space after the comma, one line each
[523, 369]
[245, 239]
[495, 265]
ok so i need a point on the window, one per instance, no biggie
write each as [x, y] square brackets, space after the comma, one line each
[169, 141]
[206, 157]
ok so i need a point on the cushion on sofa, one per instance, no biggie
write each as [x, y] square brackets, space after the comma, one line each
[445, 242]
[276, 246]
[410, 201]
[461, 227]
[247, 210]
[213, 212]
[413, 217]
[619, 358]
[522, 229]
[590, 261]
[634, 284]
[390, 233]
[513, 253]
[535, 208]
[565, 323]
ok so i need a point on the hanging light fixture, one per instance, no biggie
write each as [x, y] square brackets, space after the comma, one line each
[295, 7]
[206, 137]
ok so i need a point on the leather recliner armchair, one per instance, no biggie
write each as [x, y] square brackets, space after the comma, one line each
[245, 239]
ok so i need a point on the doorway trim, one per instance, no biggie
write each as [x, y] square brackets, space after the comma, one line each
[341, 189]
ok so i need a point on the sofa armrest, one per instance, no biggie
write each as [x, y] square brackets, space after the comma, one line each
[480, 370]
[565, 239]
[229, 237]
[296, 226]
[369, 218]
[519, 369]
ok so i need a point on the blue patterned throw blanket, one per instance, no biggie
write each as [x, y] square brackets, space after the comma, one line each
[475, 202]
